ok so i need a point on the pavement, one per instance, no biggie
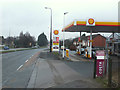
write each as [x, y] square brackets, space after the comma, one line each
[51, 72]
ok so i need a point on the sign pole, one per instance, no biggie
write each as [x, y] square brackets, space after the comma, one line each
[95, 67]
[90, 22]
[63, 45]
[110, 72]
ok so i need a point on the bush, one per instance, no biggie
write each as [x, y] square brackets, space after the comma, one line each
[73, 48]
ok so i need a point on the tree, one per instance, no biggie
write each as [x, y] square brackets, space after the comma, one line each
[25, 40]
[28, 40]
[16, 42]
[21, 40]
[84, 34]
[10, 41]
[68, 43]
[42, 40]
[3, 40]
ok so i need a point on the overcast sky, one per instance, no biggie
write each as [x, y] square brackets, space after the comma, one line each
[31, 16]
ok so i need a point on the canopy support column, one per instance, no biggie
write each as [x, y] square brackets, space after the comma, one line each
[113, 44]
[80, 44]
[90, 44]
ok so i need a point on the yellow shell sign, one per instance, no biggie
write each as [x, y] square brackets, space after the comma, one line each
[90, 21]
[56, 32]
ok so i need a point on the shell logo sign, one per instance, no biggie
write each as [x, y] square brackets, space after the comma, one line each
[90, 22]
[56, 32]
[55, 40]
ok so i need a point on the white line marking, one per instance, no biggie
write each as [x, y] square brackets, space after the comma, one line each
[26, 61]
[19, 67]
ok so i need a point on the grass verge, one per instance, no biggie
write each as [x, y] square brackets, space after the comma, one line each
[102, 81]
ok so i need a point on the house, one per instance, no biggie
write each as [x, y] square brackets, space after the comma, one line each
[99, 41]
[114, 43]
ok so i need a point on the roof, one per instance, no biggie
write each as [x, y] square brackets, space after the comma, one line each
[86, 37]
[80, 26]
[116, 36]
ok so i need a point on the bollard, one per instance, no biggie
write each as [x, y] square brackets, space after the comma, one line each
[67, 53]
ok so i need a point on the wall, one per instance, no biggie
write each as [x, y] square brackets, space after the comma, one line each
[99, 41]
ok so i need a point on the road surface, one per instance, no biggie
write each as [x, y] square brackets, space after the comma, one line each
[38, 68]
[11, 65]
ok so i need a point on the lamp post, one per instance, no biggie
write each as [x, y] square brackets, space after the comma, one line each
[63, 34]
[50, 30]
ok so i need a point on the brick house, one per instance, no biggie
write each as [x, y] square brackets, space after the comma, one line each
[99, 41]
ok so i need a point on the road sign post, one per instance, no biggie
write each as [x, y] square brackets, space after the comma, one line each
[94, 68]
[109, 72]
[90, 22]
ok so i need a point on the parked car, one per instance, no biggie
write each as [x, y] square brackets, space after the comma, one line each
[6, 47]
[82, 50]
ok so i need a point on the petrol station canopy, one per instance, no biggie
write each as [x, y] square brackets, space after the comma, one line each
[105, 27]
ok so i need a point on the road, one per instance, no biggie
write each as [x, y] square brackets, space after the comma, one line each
[11, 65]
[85, 68]
[38, 68]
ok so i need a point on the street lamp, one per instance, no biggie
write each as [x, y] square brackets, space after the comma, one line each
[63, 34]
[50, 30]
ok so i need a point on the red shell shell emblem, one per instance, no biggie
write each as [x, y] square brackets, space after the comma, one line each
[90, 21]
[56, 32]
